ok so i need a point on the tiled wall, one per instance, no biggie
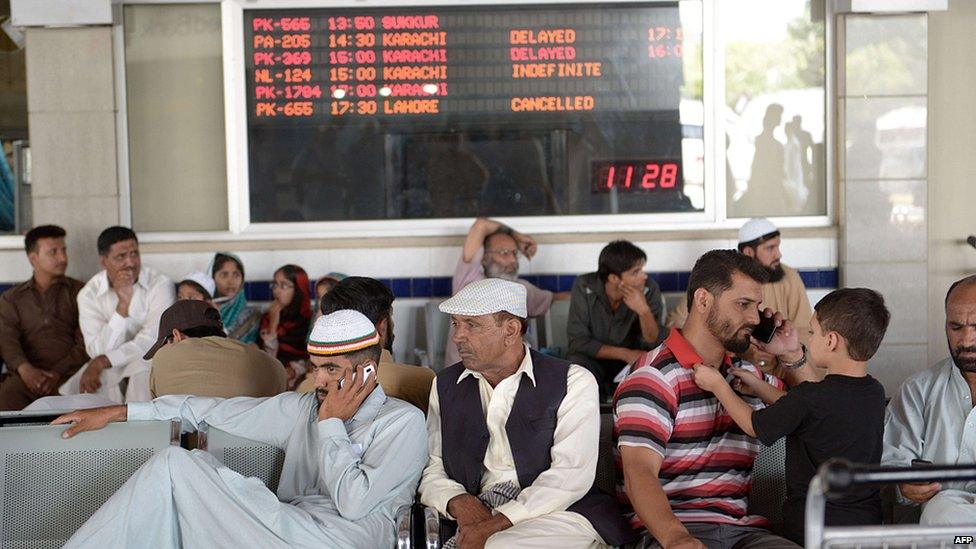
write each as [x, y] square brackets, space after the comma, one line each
[883, 105]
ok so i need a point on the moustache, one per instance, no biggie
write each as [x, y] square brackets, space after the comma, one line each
[969, 349]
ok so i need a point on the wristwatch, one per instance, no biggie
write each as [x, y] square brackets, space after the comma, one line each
[799, 363]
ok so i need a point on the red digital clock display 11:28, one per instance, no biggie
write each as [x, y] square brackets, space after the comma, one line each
[634, 175]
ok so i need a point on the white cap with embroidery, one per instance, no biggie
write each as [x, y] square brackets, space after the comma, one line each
[488, 296]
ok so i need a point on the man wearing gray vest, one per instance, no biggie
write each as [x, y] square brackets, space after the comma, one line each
[513, 435]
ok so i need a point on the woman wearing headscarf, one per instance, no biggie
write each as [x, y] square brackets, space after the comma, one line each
[240, 320]
[284, 327]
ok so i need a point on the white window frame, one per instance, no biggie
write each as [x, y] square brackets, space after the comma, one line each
[240, 228]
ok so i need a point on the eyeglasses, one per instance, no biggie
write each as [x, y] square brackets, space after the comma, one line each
[504, 252]
[281, 286]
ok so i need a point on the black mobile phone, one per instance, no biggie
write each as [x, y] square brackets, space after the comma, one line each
[765, 330]
[917, 462]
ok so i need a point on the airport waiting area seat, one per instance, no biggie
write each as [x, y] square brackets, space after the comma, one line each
[247, 457]
[50, 486]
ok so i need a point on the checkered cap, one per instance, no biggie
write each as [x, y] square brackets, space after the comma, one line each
[341, 332]
[488, 296]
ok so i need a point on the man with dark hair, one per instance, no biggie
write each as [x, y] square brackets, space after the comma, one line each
[194, 356]
[492, 250]
[783, 290]
[613, 314]
[39, 335]
[352, 458]
[686, 465]
[839, 417]
[513, 435]
[932, 417]
[374, 300]
[119, 310]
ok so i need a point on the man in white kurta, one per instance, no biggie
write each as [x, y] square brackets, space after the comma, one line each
[118, 311]
[489, 319]
[933, 418]
[342, 480]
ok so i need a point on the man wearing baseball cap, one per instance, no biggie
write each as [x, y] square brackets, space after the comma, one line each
[353, 456]
[514, 435]
[193, 356]
[784, 292]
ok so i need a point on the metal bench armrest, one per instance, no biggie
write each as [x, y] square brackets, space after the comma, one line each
[432, 527]
[402, 521]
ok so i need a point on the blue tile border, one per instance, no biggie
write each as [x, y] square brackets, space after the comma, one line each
[440, 286]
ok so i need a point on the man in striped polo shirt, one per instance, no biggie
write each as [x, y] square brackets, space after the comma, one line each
[686, 465]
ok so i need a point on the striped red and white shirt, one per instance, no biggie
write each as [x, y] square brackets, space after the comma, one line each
[707, 458]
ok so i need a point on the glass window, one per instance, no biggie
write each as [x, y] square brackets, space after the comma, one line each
[774, 107]
[175, 110]
[409, 113]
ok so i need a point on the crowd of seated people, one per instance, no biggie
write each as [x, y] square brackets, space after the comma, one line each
[508, 457]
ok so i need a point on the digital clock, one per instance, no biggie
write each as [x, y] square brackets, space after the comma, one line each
[634, 175]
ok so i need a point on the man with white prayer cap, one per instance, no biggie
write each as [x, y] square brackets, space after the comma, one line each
[514, 435]
[784, 292]
[353, 456]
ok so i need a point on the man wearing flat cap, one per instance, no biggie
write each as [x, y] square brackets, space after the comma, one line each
[514, 435]
[353, 456]
[783, 292]
[194, 356]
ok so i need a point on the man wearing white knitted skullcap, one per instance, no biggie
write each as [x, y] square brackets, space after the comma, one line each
[784, 293]
[513, 435]
[353, 457]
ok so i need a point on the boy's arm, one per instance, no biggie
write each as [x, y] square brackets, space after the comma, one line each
[710, 379]
[765, 391]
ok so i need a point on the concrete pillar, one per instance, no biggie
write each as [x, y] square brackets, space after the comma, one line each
[72, 117]
[882, 109]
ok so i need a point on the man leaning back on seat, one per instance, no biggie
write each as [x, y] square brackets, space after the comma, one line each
[353, 456]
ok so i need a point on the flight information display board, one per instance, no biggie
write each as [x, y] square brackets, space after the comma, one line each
[459, 111]
[321, 63]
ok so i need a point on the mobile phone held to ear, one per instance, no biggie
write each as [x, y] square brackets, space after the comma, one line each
[368, 370]
[765, 330]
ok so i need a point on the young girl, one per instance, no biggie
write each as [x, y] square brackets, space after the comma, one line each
[239, 319]
[197, 286]
[284, 327]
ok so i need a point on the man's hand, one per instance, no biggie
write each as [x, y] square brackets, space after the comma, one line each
[685, 541]
[708, 378]
[526, 244]
[919, 493]
[51, 382]
[343, 402]
[634, 299]
[91, 419]
[35, 378]
[124, 286]
[467, 510]
[91, 380]
[474, 536]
